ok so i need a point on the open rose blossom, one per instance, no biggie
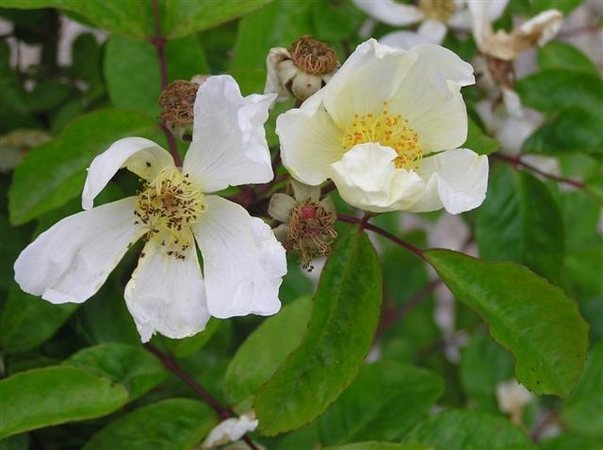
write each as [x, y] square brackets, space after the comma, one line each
[386, 129]
[243, 263]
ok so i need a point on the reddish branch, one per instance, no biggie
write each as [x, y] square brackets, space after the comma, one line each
[516, 162]
[172, 365]
[158, 42]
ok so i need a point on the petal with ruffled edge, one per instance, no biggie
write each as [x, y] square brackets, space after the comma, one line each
[404, 39]
[456, 180]
[166, 294]
[429, 97]
[433, 30]
[390, 12]
[310, 141]
[139, 155]
[367, 178]
[229, 142]
[243, 263]
[70, 261]
[368, 78]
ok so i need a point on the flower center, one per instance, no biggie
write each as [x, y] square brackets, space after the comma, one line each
[169, 205]
[440, 10]
[388, 130]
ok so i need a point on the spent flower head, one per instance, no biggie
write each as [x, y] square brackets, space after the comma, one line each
[386, 130]
[301, 70]
[176, 212]
[308, 222]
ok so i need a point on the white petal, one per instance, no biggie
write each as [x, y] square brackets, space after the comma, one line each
[229, 142]
[482, 26]
[543, 26]
[368, 78]
[403, 39]
[429, 97]
[303, 192]
[390, 12]
[278, 72]
[230, 430]
[310, 141]
[243, 263]
[70, 261]
[143, 157]
[280, 206]
[456, 180]
[461, 19]
[166, 294]
[367, 178]
[433, 30]
[496, 8]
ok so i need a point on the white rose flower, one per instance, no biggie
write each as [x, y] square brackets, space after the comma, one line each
[386, 130]
[243, 263]
[434, 16]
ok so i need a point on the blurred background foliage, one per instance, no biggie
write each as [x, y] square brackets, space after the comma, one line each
[75, 79]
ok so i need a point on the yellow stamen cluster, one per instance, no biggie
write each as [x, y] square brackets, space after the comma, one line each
[440, 10]
[389, 130]
[168, 206]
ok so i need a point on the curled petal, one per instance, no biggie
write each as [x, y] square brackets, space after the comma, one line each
[390, 12]
[404, 39]
[166, 294]
[243, 263]
[280, 206]
[456, 180]
[229, 145]
[367, 178]
[70, 261]
[143, 157]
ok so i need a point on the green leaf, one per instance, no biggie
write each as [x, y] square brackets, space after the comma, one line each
[520, 221]
[176, 423]
[565, 6]
[479, 141]
[469, 430]
[134, 367]
[550, 91]
[280, 25]
[184, 17]
[10, 246]
[181, 348]
[572, 130]
[265, 350]
[383, 403]
[581, 412]
[28, 321]
[132, 19]
[344, 318]
[484, 364]
[54, 173]
[564, 56]
[19, 442]
[378, 446]
[53, 395]
[530, 317]
[336, 21]
[139, 89]
[569, 441]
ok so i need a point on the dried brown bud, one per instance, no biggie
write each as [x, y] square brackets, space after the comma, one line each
[177, 101]
[313, 57]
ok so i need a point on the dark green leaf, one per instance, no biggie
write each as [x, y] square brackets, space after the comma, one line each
[43, 397]
[572, 130]
[479, 141]
[469, 430]
[176, 423]
[569, 441]
[19, 442]
[139, 89]
[181, 348]
[379, 446]
[336, 21]
[565, 6]
[484, 364]
[184, 17]
[134, 367]
[561, 55]
[520, 221]
[383, 403]
[344, 318]
[55, 172]
[582, 411]
[10, 246]
[529, 316]
[550, 91]
[265, 350]
[28, 321]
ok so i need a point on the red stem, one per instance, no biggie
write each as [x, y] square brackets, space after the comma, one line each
[516, 161]
[158, 42]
